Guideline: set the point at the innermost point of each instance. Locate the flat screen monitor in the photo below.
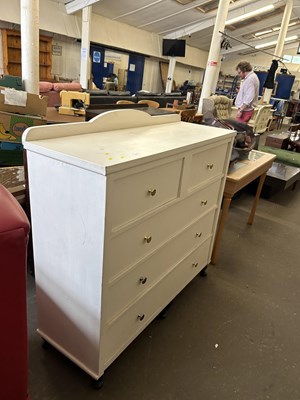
(174, 47)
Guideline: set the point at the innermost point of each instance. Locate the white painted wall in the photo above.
(183, 73)
(68, 64)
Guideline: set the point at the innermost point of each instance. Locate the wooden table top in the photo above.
(245, 171)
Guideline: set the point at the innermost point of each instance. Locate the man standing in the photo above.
(247, 97)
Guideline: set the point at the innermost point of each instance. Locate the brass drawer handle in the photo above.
(141, 317)
(143, 280)
(195, 265)
(198, 234)
(148, 239)
(152, 192)
(210, 166)
(203, 202)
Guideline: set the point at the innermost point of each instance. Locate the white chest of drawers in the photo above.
(124, 211)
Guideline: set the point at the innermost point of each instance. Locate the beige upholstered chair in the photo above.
(260, 118)
(151, 103)
(220, 106)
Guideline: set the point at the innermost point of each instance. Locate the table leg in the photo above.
(255, 202)
(217, 244)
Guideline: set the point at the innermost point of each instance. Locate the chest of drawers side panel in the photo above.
(67, 210)
(227, 151)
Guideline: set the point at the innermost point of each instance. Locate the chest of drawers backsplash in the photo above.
(124, 211)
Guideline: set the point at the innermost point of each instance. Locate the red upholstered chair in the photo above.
(14, 231)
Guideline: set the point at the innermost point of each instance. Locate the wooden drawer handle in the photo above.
(198, 234)
(147, 239)
(203, 202)
(210, 166)
(143, 280)
(152, 192)
(195, 264)
(141, 317)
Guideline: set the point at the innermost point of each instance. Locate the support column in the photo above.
(85, 47)
(213, 63)
(283, 28)
(30, 45)
(280, 43)
(172, 63)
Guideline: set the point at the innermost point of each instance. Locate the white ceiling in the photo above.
(171, 19)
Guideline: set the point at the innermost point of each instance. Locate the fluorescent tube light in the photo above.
(250, 14)
(288, 39)
(277, 28)
(263, 32)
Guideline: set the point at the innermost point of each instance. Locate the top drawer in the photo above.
(207, 164)
(136, 194)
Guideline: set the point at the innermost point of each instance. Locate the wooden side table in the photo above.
(239, 175)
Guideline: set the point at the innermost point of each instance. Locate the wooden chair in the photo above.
(151, 103)
(125, 102)
(188, 115)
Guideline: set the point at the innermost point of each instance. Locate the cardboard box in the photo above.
(17, 101)
(278, 140)
(12, 126)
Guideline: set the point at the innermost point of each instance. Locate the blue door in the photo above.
(98, 71)
(135, 73)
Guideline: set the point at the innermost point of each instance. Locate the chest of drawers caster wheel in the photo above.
(97, 383)
(203, 272)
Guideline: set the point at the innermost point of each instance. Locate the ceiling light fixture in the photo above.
(263, 32)
(288, 39)
(250, 14)
(277, 28)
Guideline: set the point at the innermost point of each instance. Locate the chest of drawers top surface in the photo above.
(118, 139)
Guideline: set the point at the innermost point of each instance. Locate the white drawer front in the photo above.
(206, 165)
(125, 289)
(124, 329)
(127, 248)
(136, 194)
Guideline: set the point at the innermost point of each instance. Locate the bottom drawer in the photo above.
(121, 331)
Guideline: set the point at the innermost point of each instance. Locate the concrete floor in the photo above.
(230, 336)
